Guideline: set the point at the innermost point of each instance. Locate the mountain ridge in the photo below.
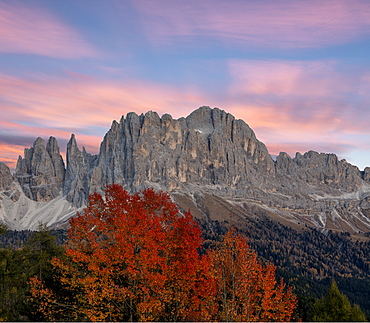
(206, 154)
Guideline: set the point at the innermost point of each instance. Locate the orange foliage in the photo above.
(135, 257)
(44, 298)
(247, 290)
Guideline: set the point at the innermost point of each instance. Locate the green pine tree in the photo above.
(335, 307)
(16, 268)
(3, 228)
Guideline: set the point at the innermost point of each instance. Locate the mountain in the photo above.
(210, 163)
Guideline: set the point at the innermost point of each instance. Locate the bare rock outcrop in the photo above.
(6, 177)
(41, 171)
(76, 182)
(208, 153)
(317, 173)
(207, 148)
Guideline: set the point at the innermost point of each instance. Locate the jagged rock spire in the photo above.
(41, 171)
(6, 177)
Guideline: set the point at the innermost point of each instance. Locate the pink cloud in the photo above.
(9, 154)
(78, 101)
(300, 106)
(303, 114)
(82, 105)
(29, 30)
(284, 24)
(298, 96)
(284, 78)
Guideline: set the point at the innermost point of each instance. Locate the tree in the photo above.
(39, 250)
(3, 228)
(247, 290)
(129, 257)
(335, 307)
(16, 268)
(136, 257)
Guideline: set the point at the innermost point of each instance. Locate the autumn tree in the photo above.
(136, 257)
(247, 290)
(129, 257)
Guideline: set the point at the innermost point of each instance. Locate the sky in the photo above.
(296, 71)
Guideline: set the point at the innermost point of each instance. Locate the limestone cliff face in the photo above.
(324, 173)
(322, 190)
(6, 177)
(41, 172)
(77, 179)
(208, 153)
(209, 148)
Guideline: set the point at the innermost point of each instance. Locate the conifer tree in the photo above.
(16, 268)
(3, 228)
(335, 307)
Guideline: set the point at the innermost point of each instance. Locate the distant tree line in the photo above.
(18, 239)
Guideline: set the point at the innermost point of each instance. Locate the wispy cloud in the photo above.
(33, 30)
(300, 95)
(281, 25)
(299, 106)
(292, 106)
(78, 101)
(78, 104)
(9, 154)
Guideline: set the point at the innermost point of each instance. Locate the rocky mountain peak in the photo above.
(207, 154)
(209, 147)
(6, 177)
(41, 172)
(79, 164)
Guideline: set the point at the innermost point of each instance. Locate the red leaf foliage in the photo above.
(135, 257)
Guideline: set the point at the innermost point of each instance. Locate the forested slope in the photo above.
(308, 258)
